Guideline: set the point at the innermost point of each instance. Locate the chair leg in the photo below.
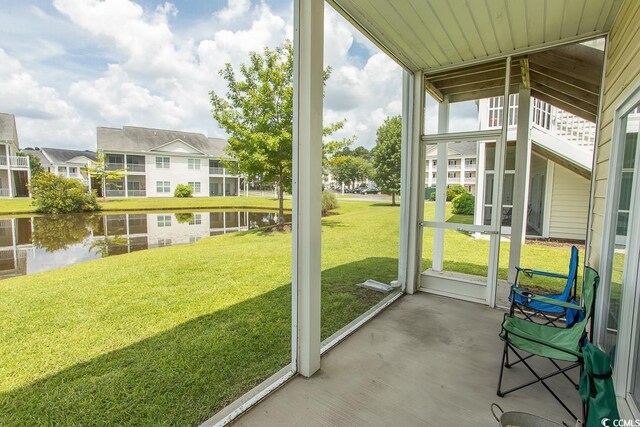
(540, 379)
(502, 366)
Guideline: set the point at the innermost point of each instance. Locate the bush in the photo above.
(455, 190)
(432, 196)
(55, 195)
(463, 204)
(183, 190)
(184, 217)
(329, 202)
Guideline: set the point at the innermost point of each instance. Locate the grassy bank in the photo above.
(168, 336)
(24, 206)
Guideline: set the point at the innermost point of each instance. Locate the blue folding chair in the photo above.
(522, 300)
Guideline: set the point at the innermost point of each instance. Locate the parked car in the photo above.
(370, 190)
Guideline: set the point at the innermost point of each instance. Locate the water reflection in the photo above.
(31, 245)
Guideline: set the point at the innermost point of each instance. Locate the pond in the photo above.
(40, 243)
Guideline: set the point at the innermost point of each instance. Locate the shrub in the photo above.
(454, 191)
(183, 190)
(184, 217)
(55, 195)
(463, 204)
(329, 202)
(432, 196)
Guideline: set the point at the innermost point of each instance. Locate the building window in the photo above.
(163, 162)
(73, 170)
(164, 220)
(452, 175)
(193, 164)
(453, 162)
(434, 162)
(163, 186)
(195, 186)
(112, 158)
(434, 174)
(470, 162)
(164, 242)
(193, 239)
(196, 219)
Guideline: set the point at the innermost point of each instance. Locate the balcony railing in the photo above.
(135, 167)
(115, 193)
(114, 166)
(216, 171)
(4, 192)
(15, 161)
(453, 167)
(137, 193)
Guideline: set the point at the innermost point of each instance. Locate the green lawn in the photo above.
(23, 205)
(169, 336)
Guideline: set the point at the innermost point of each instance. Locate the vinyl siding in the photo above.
(622, 70)
(569, 205)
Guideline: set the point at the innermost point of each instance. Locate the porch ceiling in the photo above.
(437, 34)
(565, 76)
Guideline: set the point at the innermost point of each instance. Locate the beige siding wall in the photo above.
(622, 70)
(569, 205)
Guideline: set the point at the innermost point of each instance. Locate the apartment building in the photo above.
(65, 163)
(155, 161)
(559, 168)
(14, 168)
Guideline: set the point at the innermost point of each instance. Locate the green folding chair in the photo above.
(525, 338)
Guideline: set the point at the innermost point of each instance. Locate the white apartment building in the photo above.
(559, 169)
(65, 163)
(157, 160)
(14, 169)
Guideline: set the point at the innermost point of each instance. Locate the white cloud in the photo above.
(234, 9)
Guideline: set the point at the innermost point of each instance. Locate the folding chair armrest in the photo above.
(530, 272)
(533, 297)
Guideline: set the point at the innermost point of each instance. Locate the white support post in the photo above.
(441, 187)
(28, 176)
(412, 182)
(224, 182)
(9, 172)
(521, 182)
(308, 85)
(238, 187)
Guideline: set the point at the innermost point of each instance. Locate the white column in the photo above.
(308, 85)
(462, 170)
(521, 182)
(224, 182)
(28, 175)
(9, 173)
(441, 187)
(238, 187)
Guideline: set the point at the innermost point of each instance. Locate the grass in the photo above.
(23, 205)
(169, 336)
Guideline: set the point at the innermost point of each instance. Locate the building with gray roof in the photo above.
(155, 161)
(14, 168)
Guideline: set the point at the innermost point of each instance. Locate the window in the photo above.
(163, 186)
(452, 175)
(73, 170)
(113, 158)
(196, 219)
(453, 162)
(164, 220)
(164, 242)
(434, 174)
(470, 162)
(163, 162)
(193, 164)
(195, 186)
(193, 239)
(434, 162)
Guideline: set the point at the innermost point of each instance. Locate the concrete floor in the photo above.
(426, 360)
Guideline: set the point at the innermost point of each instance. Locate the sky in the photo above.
(69, 66)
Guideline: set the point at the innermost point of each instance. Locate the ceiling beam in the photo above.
(561, 86)
(565, 78)
(433, 91)
(586, 71)
(560, 100)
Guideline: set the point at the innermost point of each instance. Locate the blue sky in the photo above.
(72, 65)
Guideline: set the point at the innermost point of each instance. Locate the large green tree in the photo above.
(347, 169)
(257, 114)
(386, 156)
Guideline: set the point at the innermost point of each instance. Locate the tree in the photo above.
(386, 156)
(55, 195)
(35, 166)
(183, 190)
(463, 204)
(347, 169)
(257, 114)
(99, 170)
